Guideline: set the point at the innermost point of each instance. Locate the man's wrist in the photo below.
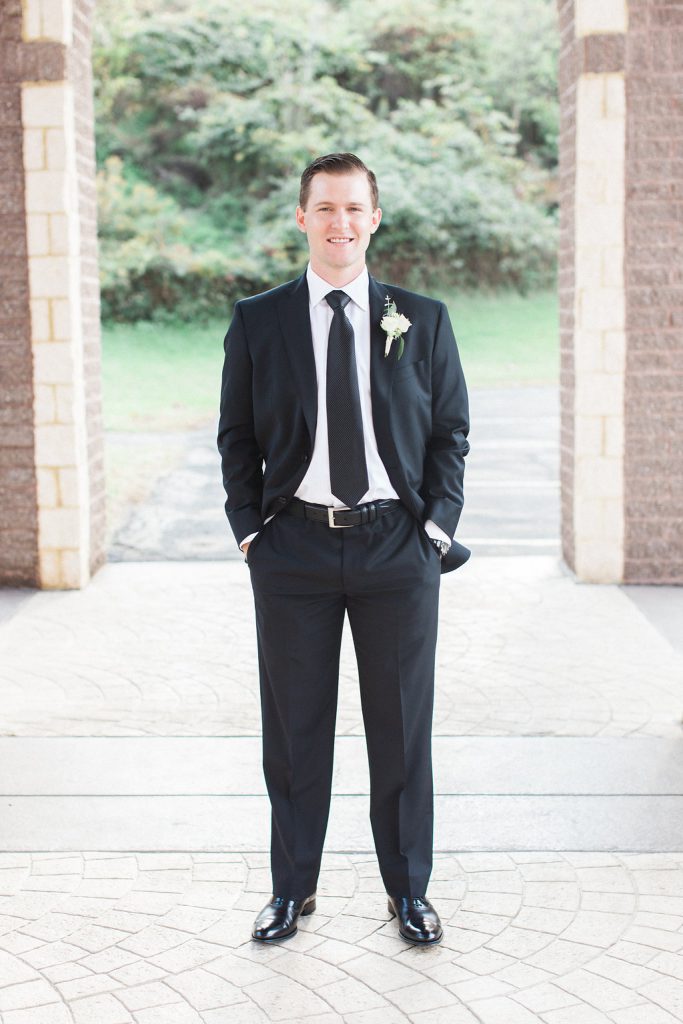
(247, 540)
(435, 532)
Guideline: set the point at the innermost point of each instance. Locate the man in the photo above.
(343, 446)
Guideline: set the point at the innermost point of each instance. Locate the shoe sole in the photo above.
(414, 942)
(308, 909)
(420, 942)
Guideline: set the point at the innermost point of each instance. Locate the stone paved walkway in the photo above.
(168, 649)
(572, 938)
(512, 486)
(160, 939)
(95, 935)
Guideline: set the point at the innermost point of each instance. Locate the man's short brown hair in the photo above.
(336, 163)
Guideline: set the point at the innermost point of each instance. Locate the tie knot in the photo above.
(337, 299)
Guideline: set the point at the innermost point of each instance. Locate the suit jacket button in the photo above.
(304, 458)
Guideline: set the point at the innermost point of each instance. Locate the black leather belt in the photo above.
(341, 516)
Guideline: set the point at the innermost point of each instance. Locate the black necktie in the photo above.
(348, 469)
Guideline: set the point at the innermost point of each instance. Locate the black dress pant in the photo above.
(386, 575)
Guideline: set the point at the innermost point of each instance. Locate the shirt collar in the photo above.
(357, 290)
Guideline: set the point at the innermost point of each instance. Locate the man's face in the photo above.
(338, 221)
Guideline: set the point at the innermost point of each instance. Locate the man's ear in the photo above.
(376, 218)
(300, 216)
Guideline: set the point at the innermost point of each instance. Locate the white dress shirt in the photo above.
(315, 486)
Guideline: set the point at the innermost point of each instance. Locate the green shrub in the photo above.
(207, 114)
(148, 270)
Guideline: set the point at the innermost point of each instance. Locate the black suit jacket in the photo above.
(268, 408)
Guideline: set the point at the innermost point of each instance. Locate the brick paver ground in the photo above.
(163, 938)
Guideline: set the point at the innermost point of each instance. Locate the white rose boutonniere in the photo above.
(395, 325)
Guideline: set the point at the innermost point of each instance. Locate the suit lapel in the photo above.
(295, 324)
(381, 373)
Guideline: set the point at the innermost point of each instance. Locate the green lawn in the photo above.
(506, 339)
(162, 378)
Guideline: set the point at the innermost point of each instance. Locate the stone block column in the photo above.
(592, 288)
(59, 304)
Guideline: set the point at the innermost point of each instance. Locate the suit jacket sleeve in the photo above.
(242, 462)
(444, 466)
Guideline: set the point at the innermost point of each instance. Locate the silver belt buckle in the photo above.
(330, 518)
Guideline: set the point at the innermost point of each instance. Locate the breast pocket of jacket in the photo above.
(406, 371)
(411, 408)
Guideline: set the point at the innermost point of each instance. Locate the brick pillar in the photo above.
(51, 48)
(18, 512)
(653, 434)
(621, 289)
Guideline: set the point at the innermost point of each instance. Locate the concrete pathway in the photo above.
(134, 823)
(512, 487)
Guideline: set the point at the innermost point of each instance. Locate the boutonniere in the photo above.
(395, 324)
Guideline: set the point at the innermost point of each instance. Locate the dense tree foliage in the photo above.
(207, 112)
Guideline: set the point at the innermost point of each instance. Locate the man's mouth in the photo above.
(340, 240)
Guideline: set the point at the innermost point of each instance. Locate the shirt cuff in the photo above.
(436, 532)
(251, 536)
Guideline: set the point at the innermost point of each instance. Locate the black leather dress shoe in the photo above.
(418, 922)
(278, 918)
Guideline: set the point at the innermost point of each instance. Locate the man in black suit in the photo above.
(343, 432)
